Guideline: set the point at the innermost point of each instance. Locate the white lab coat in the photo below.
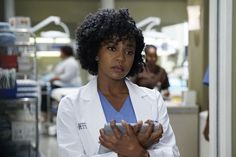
(80, 116)
(68, 72)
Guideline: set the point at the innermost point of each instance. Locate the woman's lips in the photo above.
(118, 69)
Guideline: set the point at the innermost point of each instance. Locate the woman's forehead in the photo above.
(123, 39)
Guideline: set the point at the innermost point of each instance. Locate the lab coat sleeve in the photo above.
(167, 145)
(69, 142)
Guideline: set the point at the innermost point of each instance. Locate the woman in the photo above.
(110, 46)
(66, 73)
(152, 75)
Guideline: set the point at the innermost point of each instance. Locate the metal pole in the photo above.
(9, 9)
(107, 4)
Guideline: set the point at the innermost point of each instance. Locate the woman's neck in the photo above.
(151, 67)
(111, 87)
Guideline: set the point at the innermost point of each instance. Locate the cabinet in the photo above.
(19, 127)
(184, 121)
(19, 94)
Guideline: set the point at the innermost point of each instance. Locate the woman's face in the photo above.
(151, 56)
(62, 55)
(115, 58)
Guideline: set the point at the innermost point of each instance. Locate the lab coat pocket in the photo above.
(86, 138)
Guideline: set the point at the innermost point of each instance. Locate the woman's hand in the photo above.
(149, 136)
(54, 79)
(125, 144)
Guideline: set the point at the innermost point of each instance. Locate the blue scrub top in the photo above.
(126, 113)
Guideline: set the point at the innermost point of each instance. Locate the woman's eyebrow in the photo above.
(130, 45)
(107, 43)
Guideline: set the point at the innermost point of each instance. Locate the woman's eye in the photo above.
(130, 52)
(113, 49)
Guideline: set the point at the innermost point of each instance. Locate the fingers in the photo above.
(157, 135)
(148, 121)
(104, 139)
(160, 129)
(128, 128)
(150, 128)
(158, 132)
(103, 136)
(115, 129)
(137, 127)
(110, 140)
(120, 142)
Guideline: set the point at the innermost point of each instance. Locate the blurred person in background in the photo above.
(66, 73)
(152, 75)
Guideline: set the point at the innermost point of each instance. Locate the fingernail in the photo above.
(140, 121)
(113, 122)
(122, 121)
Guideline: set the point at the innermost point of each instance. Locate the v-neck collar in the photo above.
(103, 97)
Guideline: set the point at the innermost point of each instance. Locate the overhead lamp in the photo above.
(47, 21)
(149, 22)
(43, 40)
(163, 43)
(193, 17)
(48, 53)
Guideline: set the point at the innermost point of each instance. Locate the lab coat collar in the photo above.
(137, 95)
(89, 95)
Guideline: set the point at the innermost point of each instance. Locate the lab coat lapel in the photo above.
(141, 108)
(96, 118)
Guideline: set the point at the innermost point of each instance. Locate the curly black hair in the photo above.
(104, 25)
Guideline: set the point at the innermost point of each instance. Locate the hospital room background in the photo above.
(187, 34)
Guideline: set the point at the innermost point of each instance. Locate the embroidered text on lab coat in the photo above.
(82, 126)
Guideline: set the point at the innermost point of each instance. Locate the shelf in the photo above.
(19, 100)
(24, 45)
(22, 143)
(12, 148)
(21, 30)
(24, 73)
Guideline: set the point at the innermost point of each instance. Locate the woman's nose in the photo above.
(120, 56)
